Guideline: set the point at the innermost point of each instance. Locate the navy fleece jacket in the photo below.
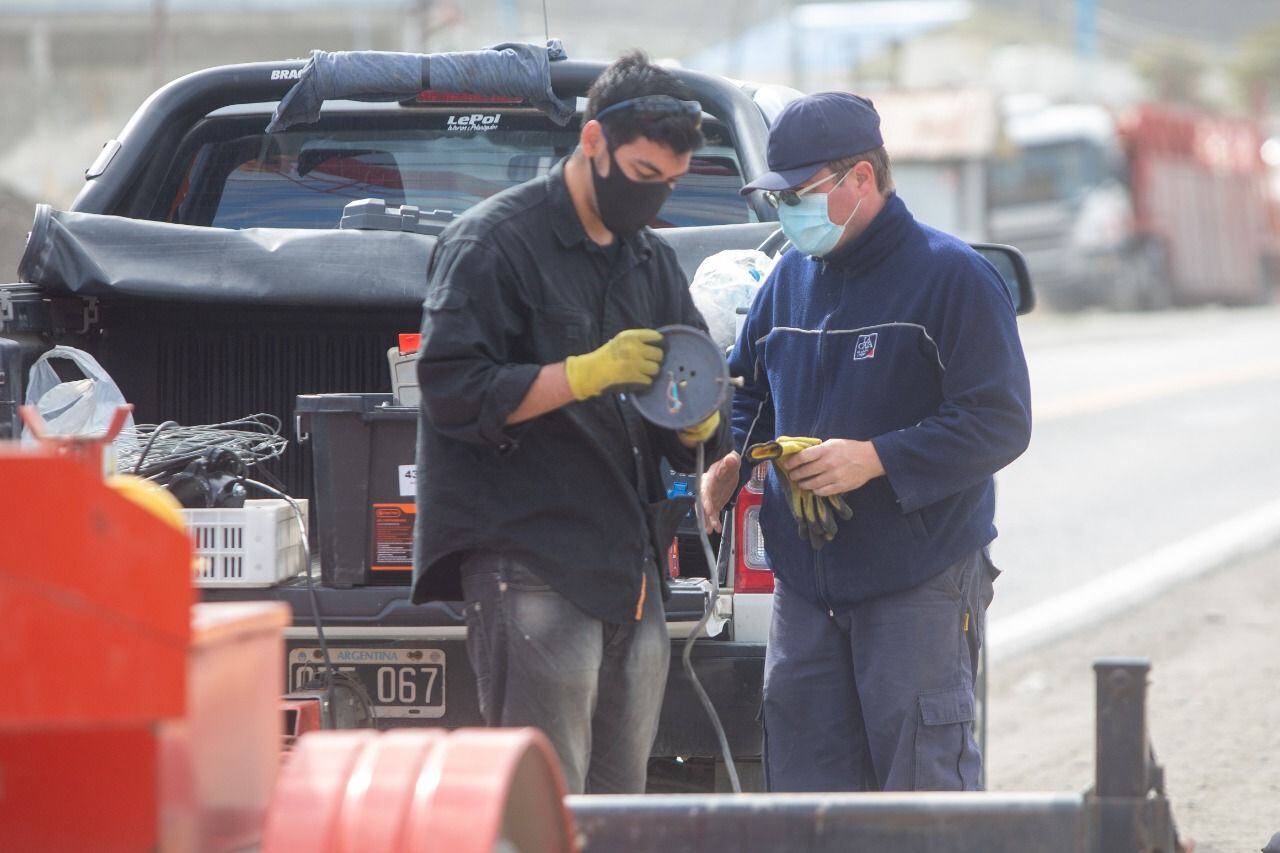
(905, 337)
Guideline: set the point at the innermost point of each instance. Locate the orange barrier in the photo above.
(133, 719)
(411, 791)
(96, 594)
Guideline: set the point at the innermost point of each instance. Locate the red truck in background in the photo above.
(1200, 193)
(1135, 209)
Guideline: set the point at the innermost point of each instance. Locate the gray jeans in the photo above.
(880, 697)
(593, 687)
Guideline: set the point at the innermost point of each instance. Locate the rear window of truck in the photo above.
(302, 178)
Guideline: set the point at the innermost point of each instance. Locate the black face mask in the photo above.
(625, 205)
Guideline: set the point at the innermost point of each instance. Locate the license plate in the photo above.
(403, 683)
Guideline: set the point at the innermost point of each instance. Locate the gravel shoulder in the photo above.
(1213, 704)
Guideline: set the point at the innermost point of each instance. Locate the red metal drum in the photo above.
(380, 792)
(491, 789)
(306, 806)
(420, 790)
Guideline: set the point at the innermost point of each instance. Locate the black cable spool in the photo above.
(692, 383)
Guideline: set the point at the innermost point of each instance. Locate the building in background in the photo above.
(75, 70)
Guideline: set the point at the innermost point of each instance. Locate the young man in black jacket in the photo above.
(540, 494)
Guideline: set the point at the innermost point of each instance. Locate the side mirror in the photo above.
(1012, 267)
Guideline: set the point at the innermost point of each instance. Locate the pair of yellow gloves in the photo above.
(815, 515)
(628, 362)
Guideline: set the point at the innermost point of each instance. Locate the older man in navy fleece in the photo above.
(886, 381)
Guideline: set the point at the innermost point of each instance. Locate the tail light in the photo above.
(751, 569)
(430, 97)
(673, 559)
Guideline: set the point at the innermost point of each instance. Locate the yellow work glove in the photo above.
(814, 515)
(627, 362)
(695, 435)
(817, 516)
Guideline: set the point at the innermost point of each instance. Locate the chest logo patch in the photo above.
(865, 347)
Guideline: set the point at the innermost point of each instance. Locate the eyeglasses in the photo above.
(652, 107)
(792, 197)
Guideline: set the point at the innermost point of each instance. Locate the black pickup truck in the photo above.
(196, 155)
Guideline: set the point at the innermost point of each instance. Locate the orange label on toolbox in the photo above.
(392, 537)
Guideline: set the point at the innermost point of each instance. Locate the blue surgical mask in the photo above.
(809, 227)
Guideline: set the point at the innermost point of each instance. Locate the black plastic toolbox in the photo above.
(11, 385)
(362, 450)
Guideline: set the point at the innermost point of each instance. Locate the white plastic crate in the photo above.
(255, 546)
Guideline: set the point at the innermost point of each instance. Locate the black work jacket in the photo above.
(514, 284)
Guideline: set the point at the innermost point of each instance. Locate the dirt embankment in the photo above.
(1213, 704)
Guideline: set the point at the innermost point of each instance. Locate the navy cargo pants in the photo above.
(878, 697)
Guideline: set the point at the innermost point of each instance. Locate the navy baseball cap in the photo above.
(811, 132)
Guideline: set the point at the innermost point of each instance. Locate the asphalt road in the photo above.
(1150, 431)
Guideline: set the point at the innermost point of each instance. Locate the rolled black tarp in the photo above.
(507, 70)
(89, 254)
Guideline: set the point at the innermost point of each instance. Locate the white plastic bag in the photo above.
(725, 282)
(79, 406)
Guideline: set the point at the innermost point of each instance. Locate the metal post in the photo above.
(734, 35)
(40, 54)
(1086, 29)
(794, 59)
(509, 18)
(984, 713)
(361, 28)
(1121, 769)
(424, 18)
(159, 43)
(1128, 795)
(1087, 42)
(416, 35)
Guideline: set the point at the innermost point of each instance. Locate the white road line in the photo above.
(1114, 398)
(1129, 585)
